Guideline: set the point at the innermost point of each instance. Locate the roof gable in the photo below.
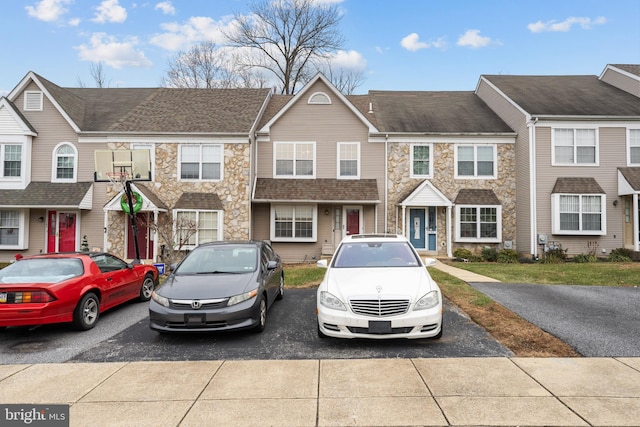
(426, 194)
(12, 121)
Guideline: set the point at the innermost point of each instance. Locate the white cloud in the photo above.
(110, 11)
(74, 22)
(412, 42)
(472, 38)
(348, 60)
(196, 29)
(48, 10)
(117, 54)
(564, 26)
(166, 7)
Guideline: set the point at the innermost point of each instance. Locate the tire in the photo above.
(263, 316)
(320, 333)
(281, 290)
(87, 312)
(146, 288)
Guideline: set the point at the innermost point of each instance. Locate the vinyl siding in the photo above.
(621, 81)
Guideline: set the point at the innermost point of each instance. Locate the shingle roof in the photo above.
(470, 196)
(205, 201)
(153, 198)
(159, 110)
(576, 185)
(632, 175)
(41, 194)
(318, 190)
(567, 96)
(434, 112)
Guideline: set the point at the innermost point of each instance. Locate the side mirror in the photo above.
(272, 265)
(322, 263)
(173, 266)
(429, 262)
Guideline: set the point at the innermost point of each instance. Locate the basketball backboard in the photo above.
(122, 165)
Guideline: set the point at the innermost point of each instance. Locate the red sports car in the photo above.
(73, 287)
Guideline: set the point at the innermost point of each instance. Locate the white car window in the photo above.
(375, 254)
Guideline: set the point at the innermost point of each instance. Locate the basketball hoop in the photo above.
(118, 177)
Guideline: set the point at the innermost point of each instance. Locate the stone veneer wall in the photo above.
(233, 191)
(401, 185)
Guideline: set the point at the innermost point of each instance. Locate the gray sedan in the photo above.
(217, 287)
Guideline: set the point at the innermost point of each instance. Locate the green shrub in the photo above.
(463, 253)
(508, 256)
(555, 256)
(620, 255)
(583, 258)
(489, 254)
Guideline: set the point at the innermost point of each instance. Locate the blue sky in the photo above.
(398, 45)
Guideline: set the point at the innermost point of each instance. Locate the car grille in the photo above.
(186, 304)
(379, 308)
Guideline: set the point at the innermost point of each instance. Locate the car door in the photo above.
(120, 281)
(271, 277)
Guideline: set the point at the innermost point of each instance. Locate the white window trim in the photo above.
(555, 222)
(23, 231)
(357, 175)
(411, 173)
(23, 160)
(574, 128)
(294, 176)
(496, 239)
(272, 224)
(629, 146)
(321, 98)
(197, 211)
(152, 156)
(54, 164)
(200, 145)
(28, 94)
(475, 162)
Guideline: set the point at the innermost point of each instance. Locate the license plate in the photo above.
(379, 327)
(195, 319)
(3, 297)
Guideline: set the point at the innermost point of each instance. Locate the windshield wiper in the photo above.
(217, 272)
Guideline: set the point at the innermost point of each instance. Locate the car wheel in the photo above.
(320, 333)
(263, 315)
(439, 335)
(146, 289)
(87, 312)
(281, 290)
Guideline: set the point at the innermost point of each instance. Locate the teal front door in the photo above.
(417, 228)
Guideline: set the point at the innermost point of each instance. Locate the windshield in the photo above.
(375, 254)
(41, 270)
(219, 259)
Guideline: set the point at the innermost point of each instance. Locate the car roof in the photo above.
(233, 243)
(376, 237)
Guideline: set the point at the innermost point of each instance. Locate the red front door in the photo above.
(353, 220)
(145, 244)
(61, 231)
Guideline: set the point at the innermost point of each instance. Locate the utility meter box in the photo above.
(542, 239)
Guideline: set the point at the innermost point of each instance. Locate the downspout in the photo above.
(533, 189)
(386, 181)
(105, 225)
(636, 224)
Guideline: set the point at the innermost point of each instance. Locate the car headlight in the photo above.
(330, 301)
(237, 299)
(160, 299)
(430, 300)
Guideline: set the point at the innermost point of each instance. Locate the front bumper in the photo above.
(412, 325)
(245, 315)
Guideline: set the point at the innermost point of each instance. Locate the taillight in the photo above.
(29, 297)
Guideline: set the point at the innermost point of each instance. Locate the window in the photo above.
(32, 101)
(293, 223)
(475, 161)
(201, 162)
(196, 227)
(348, 160)
(64, 158)
(294, 159)
(634, 147)
(579, 214)
(478, 223)
(575, 147)
(319, 98)
(10, 228)
(421, 160)
(11, 160)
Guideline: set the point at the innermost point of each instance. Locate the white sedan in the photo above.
(378, 287)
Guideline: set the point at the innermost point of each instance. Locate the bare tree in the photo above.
(98, 75)
(345, 80)
(174, 235)
(284, 37)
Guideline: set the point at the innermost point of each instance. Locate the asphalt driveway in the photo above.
(597, 321)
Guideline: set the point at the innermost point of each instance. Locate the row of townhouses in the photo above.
(522, 162)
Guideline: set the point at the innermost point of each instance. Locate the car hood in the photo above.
(202, 286)
(407, 282)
